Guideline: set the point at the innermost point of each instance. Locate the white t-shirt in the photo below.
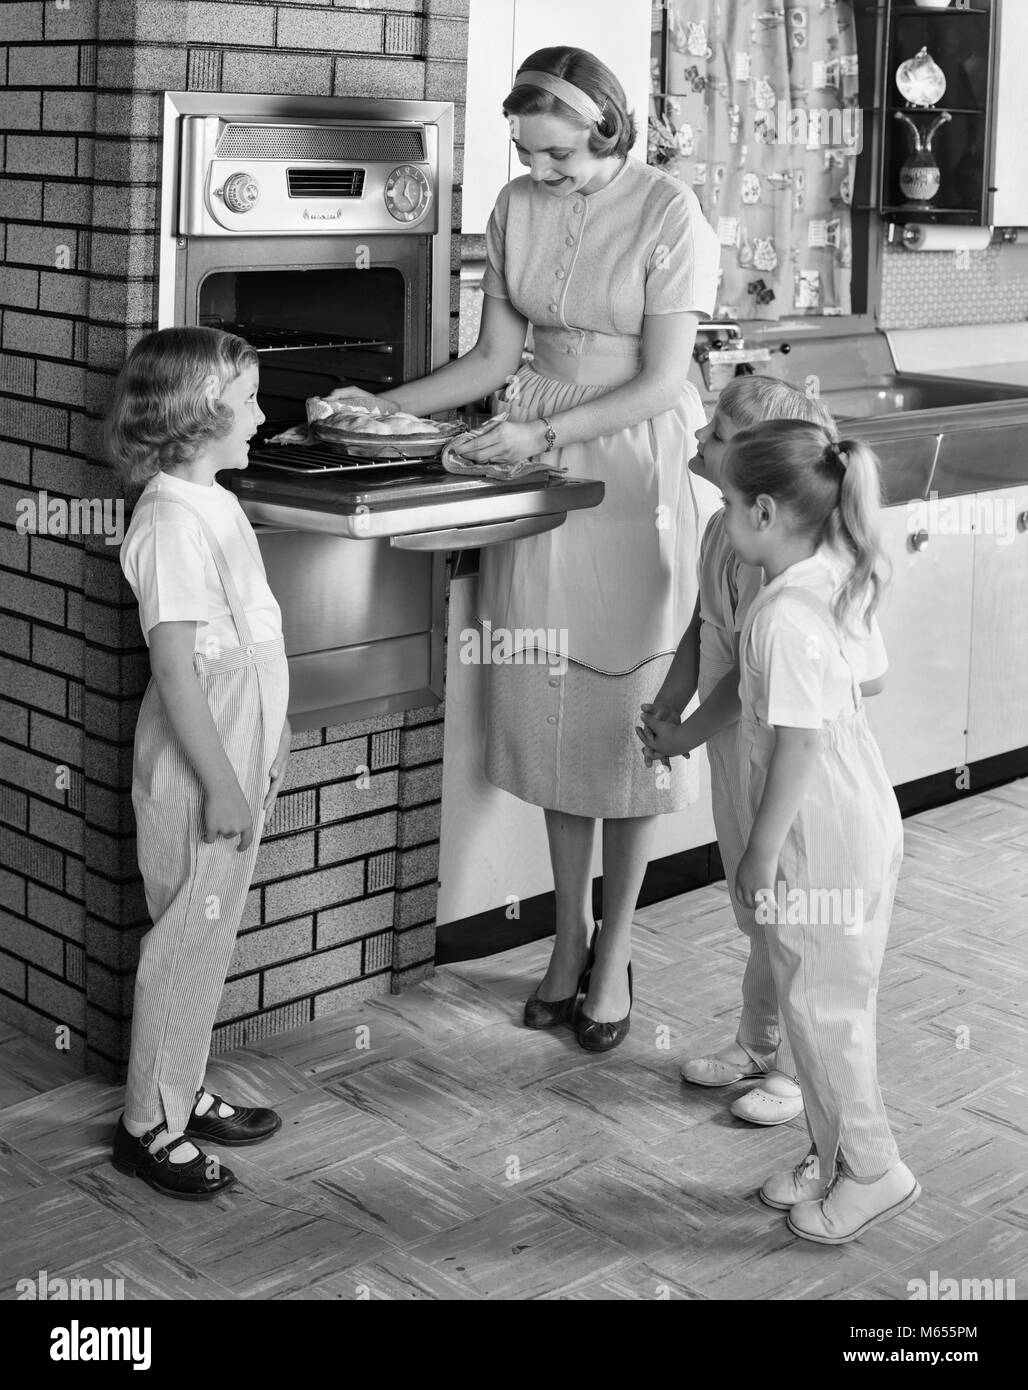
(797, 666)
(168, 562)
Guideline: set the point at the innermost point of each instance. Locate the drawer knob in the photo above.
(919, 540)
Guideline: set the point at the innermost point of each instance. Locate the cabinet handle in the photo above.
(1022, 522)
(918, 541)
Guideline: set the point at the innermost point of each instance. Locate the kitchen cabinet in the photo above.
(501, 35)
(920, 718)
(998, 706)
(949, 180)
(1009, 175)
(492, 847)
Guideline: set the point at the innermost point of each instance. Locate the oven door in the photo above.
(321, 311)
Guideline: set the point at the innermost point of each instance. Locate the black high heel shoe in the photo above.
(550, 1013)
(603, 1037)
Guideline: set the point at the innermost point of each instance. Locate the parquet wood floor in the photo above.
(433, 1148)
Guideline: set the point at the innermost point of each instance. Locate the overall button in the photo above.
(576, 207)
(551, 719)
(553, 308)
(569, 241)
(555, 680)
(560, 275)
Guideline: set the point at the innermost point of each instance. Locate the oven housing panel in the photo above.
(363, 620)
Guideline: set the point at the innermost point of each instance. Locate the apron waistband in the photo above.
(585, 358)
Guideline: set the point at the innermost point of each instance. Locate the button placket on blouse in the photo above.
(563, 272)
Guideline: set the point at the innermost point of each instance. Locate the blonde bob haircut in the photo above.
(161, 417)
(614, 135)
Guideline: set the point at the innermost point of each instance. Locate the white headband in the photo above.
(569, 94)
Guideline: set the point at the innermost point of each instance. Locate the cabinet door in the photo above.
(920, 718)
(998, 714)
(1010, 203)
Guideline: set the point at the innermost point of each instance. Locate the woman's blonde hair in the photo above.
(160, 416)
(750, 400)
(615, 134)
(832, 489)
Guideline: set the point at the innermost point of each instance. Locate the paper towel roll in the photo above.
(926, 236)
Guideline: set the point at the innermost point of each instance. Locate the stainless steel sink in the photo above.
(907, 393)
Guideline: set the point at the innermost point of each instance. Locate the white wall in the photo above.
(501, 36)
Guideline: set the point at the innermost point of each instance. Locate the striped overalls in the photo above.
(844, 847)
(195, 892)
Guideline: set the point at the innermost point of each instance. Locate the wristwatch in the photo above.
(551, 435)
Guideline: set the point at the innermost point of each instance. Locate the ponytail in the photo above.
(833, 492)
(856, 526)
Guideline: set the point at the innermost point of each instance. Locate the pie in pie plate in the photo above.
(369, 434)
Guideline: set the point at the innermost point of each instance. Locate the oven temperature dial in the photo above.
(241, 192)
(407, 193)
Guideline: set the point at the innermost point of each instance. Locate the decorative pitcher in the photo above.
(920, 178)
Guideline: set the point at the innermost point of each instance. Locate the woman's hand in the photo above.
(278, 769)
(507, 443)
(355, 396)
(661, 734)
(226, 815)
(755, 877)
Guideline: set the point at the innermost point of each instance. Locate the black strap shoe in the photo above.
(198, 1180)
(603, 1037)
(246, 1126)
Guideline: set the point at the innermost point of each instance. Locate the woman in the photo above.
(610, 262)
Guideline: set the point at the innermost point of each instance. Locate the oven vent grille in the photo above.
(370, 145)
(325, 183)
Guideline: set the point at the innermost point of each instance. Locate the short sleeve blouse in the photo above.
(600, 262)
(798, 666)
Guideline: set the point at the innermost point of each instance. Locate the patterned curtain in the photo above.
(757, 111)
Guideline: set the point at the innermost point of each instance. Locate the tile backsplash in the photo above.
(937, 289)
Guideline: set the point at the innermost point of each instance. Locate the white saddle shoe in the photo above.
(776, 1101)
(850, 1208)
(719, 1070)
(803, 1183)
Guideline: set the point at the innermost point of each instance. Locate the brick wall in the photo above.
(344, 896)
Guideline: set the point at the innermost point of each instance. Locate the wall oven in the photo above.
(319, 230)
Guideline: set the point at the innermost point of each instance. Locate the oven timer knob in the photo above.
(407, 193)
(241, 192)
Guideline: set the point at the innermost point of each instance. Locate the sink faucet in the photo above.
(725, 355)
(721, 329)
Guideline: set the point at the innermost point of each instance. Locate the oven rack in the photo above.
(325, 458)
(272, 338)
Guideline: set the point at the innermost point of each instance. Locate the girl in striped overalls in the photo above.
(212, 741)
(707, 663)
(823, 830)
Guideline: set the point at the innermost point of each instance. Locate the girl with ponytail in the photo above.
(823, 830)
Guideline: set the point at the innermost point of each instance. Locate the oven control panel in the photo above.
(347, 177)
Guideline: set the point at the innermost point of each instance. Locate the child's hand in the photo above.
(755, 876)
(660, 734)
(278, 770)
(227, 815)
